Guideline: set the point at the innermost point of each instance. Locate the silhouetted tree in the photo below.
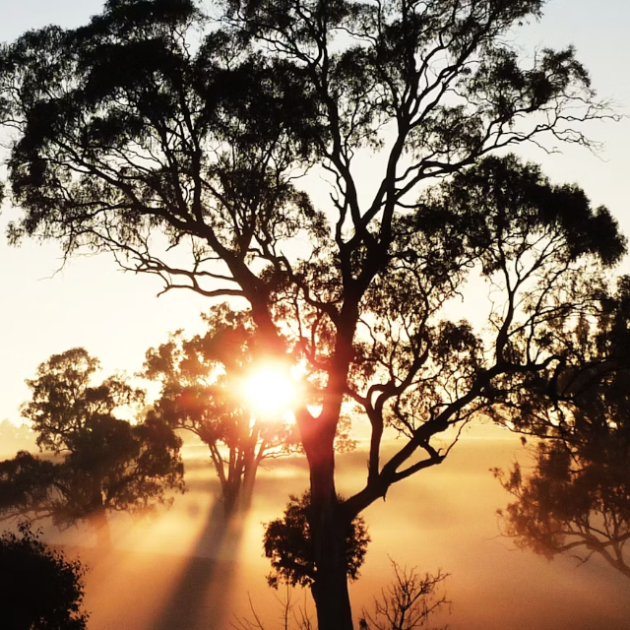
(410, 602)
(571, 503)
(577, 497)
(39, 588)
(105, 463)
(203, 391)
(155, 135)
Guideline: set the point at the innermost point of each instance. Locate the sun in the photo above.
(270, 391)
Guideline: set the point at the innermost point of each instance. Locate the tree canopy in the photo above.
(179, 141)
(107, 464)
(571, 503)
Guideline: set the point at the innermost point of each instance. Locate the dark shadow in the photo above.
(39, 587)
(199, 599)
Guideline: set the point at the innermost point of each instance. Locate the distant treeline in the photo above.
(15, 438)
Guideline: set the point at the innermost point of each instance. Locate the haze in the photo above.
(181, 572)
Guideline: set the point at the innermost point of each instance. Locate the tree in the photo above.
(577, 496)
(107, 463)
(571, 504)
(203, 391)
(410, 602)
(155, 134)
(39, 588)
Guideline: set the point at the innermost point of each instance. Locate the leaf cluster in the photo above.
(289, 546)
(203, 382)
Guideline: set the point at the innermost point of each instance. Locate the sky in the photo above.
(117, 316)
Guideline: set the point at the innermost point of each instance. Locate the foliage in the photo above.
(203, 381)
(289, 546)
(577, 496)
(106, 464)
(581, 391)
(63, 401)
(203, 390)
(25, 483)
(39, 588)
(572, 504)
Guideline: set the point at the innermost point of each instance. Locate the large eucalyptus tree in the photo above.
(176, 136)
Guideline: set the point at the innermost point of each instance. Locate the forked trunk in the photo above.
(330, 589)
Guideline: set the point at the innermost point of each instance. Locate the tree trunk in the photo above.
(231, 495)
(249, 479)
(330, 589)
(250, 471)
(99, 523)
(325, 518)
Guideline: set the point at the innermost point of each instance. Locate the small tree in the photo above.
(410, 602)
(203, 391)
(179, 145)
(107, 463)
(571, 503)
(39, 588)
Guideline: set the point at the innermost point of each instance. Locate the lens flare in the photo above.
(270, 391)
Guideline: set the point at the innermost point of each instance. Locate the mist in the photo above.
(187, 570)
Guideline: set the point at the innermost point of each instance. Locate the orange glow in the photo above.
(270, 391)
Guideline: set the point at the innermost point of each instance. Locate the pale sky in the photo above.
(116, 316)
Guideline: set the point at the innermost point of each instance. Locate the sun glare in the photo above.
(270, 391)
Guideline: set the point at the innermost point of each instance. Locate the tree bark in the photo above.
(330, 589)
(231, 495)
